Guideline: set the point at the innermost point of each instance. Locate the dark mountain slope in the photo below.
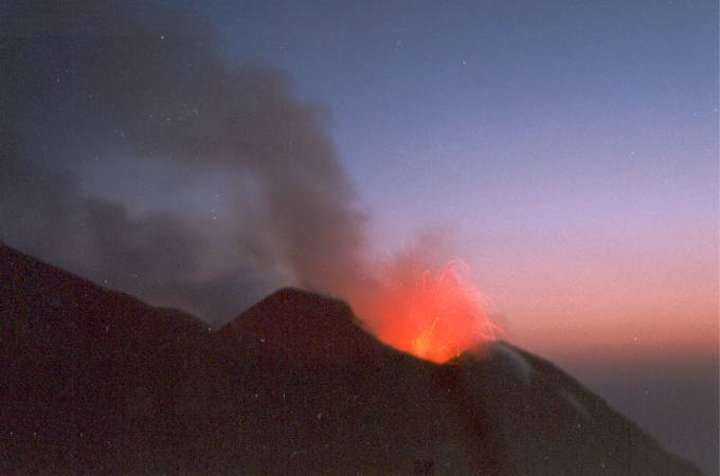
(96, 381)
(87, 373)
(100, 382)
(321, 331)
(326, 397)
(551, 424)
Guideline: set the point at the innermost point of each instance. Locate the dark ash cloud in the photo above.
(89, 81)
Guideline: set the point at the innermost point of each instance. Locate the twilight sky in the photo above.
(569, 149)
(566, 151)
(201, 154)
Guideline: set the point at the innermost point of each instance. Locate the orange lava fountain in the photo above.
(433, 316)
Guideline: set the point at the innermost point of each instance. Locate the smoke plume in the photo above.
(88, 86)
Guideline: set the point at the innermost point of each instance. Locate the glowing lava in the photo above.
(435, 316)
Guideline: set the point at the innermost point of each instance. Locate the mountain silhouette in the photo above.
(95, 381)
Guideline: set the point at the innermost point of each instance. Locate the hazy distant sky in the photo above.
(570, 149)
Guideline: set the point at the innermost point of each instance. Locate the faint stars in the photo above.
(702, 114)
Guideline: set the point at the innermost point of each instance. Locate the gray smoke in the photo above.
(86, 84)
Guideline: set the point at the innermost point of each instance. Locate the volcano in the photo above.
(95, 381)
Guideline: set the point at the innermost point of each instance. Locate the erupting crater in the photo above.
(433, 315)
